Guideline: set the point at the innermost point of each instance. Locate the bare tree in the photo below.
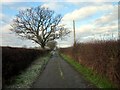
(52, 44)
(38, 24)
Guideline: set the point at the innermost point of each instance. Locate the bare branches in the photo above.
(38, 24)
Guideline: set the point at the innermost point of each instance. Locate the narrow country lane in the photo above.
(59, 74)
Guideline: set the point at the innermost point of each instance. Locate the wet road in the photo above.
(59, 74)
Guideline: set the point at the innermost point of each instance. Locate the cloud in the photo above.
(16, 6)
(89, 29)
(94, 32)
(85, 12)
(107, 28)
(1, 15)
(56, 6)
(6, 28)
(108, 18)
(59, 0)
(91, 0)
(9, 38)
(105, 23)
(4, 1)
(63, 43)
(9, 0)
(22, 8)
(87, 32)
(85, 28)
(1, 19)
(5, 19)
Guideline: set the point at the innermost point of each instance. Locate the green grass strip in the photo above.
(97, 80)
(28, 76)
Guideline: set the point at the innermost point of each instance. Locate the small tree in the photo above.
(52, 44)
(38, 24)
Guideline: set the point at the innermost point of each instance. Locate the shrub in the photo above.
(101, 56)
(15, 60)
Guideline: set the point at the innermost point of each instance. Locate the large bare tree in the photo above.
(39, 24)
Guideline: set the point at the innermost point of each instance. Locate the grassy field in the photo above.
(100, 56)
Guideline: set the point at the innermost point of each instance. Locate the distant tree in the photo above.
(24, 46)
(52, 44)
(39, 24)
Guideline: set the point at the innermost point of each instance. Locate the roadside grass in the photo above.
(97, 80)
(27, 77)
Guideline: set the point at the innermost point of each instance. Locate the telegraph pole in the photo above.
(74, 32)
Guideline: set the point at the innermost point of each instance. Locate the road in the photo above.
(59, 74)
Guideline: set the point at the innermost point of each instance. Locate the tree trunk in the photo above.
(43, 46)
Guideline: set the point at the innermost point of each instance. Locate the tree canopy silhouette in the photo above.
(39, 24)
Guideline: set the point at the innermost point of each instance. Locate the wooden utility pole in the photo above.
(74, 32)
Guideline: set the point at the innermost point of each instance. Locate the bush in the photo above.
(101, 56)
(15, 60)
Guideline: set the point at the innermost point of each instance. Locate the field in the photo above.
(15, 60)
(100, 56)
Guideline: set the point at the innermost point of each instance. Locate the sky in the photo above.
(93, 20)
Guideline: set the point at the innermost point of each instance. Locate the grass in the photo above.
(97, 80)
(13, 64)
(102, 56)
(27, 77)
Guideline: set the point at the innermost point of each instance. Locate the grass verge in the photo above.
(97, 80)
(27, 77)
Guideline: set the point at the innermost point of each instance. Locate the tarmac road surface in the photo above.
(59, 74)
